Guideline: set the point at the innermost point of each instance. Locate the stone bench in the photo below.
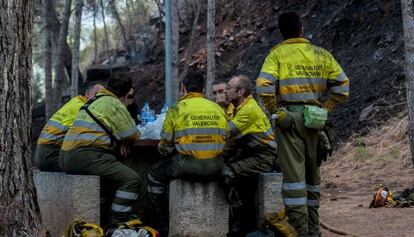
(200, 209)
(269, 194)
(63, 197)
(197, 209)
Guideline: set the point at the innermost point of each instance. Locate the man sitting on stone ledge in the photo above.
(98, 138)
(193, 137)
(251, 150)
(51, 137)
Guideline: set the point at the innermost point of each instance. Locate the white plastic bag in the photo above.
(152, 130)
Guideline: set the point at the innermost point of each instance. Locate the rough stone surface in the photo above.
(269, 194)
(197, 209)
(63, 198)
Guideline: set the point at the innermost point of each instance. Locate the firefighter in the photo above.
(192, 138)
(293, 78)
(251, 150)
(99, 138)
(51, 137)
(218, 91)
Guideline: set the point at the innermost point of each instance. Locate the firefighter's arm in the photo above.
(166, 145)
(338, 85)
(125, 129)
(267, 81)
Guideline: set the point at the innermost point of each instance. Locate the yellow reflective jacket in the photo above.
(112, 113)
(55, 129)
(298, 72)
(251, 125)
(195, 126)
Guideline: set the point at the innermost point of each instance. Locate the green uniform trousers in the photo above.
(240, 189)
(178, 166)
(121, 179)
(47, 158)
(301, 176)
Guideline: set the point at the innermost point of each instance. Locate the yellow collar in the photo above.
(106, 92)
(82, 98)
(292, 41)
(245, 101)
(191, 95)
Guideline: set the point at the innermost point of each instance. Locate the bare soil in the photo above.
(352, 175)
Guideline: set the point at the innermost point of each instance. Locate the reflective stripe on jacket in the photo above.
(195, 126)
(251, 125)
(298, 72)
(55, 129)
(112, 113)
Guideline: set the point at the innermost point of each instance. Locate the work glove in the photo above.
(324, 148)
(282, 118)
(228, 175)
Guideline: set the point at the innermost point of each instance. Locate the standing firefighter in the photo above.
(99, 137)
(300, 73)
(51, 137)
(193, 137)
(251, 150)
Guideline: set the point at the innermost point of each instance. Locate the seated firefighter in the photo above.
(250, 151)
(99, 138)
(51, 137)
(219, 95)
(193, 137)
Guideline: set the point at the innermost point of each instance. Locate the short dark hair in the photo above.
(89, 85)
(120, 84)
(245, 83)
(219, 81)
(193, 81)
(290, 25)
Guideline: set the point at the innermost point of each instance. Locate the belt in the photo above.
(295, 108)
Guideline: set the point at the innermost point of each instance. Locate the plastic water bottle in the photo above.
(145, 114)
(164, 109)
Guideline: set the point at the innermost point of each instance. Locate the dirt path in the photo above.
(350, 213)
(351, 176)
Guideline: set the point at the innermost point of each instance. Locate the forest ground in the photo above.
(351, 176)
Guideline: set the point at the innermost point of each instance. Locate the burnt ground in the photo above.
(365, 37)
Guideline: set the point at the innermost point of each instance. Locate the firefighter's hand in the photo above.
(125, 150)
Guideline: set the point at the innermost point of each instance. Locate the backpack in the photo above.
(382, 197)
(132, 228)
(80, 228)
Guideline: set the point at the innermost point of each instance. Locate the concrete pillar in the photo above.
(62, 198)
(197, 209)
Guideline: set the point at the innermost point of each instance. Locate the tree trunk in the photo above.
(76, 45)
(121, 27)
(189, 50)
(108, 54)
(175, 35)
(19, 211)
(47, 55)
(61, 82)
(95, 37)
(211, 61)
(408, 22)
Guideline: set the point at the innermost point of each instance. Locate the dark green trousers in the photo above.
(240, 192)
(301, 176)
(118, 177)
(47, 158)
(178, 166)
